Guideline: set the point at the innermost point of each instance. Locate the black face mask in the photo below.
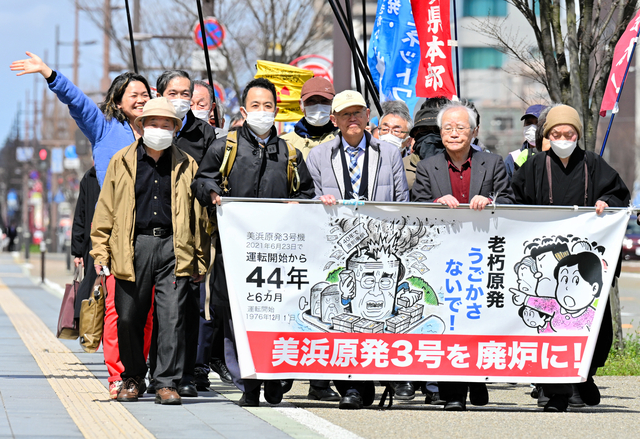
(428, 145)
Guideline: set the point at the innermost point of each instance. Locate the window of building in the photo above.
(484, 8)
(481, 58)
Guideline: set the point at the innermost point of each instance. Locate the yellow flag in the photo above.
(288, 81)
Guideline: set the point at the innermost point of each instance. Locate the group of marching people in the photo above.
(160, 172)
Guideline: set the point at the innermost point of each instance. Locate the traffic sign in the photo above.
(320, 65)
(214, 31)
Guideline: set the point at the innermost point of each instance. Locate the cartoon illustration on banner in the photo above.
(559, 283)
(380, 283)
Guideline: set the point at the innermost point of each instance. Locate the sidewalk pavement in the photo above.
(42, 398)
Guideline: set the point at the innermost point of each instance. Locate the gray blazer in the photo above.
(488, 175)
(387, 180)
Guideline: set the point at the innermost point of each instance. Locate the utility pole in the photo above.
(26, 232)
(341, 57)
(136, 29)
(76, 45)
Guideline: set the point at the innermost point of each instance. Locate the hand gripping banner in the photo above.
(408, 291)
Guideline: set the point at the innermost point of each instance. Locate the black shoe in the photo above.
(351, 401)
(478, 394)
(404, 391)
(535, 391)
(574, 400)
(589, 392)
(433, 398)
(188, 389)
(273, 391)
(201, 379)
(557, 403)
(217, 365)
(455, 406)
(286, 385)
(322, 394)
(250, 399)
(542, 399)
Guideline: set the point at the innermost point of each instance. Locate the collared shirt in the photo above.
(460, 178)
(153, 190)
(262, 142)
(361, 147)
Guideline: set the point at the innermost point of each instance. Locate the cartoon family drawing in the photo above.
(558, 285)
(378, 285)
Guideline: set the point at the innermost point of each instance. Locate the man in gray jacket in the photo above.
(354, 165)
(357, 166)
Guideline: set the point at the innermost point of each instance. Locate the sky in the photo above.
(31, 25)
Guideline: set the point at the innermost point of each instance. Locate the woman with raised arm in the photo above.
(108, 126)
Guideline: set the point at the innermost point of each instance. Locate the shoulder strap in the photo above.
(548, 166)
(293, 178)
(230, 150)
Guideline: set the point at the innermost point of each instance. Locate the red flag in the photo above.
(621, 59)
(435, 74)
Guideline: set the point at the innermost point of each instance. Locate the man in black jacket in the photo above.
(258, 171)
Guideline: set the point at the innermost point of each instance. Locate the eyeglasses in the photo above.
(346, 116)
(449, 130)
(396, 131)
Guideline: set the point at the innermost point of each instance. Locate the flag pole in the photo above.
(205, 47)
(364, 41)
(615, 107)
(354, 55)
(455, 30)
(133, 46)
(368, 80)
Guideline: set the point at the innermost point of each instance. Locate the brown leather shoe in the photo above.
(168, 395)
(129, 391)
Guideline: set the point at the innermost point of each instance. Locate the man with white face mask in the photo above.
(146, 195)
(395, 125)
(567, 175)
(259, 170)
(530, 121)
(195, 135)
(315, 127)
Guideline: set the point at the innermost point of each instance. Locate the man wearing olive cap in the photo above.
(577, 178)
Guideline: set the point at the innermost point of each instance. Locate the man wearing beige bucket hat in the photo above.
(149, 231)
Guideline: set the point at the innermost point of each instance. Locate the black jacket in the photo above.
(195, 137)
(85, 207)
(256, 173)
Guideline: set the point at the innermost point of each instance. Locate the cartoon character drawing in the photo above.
(578, 283)
(546, 258)
(378, 284)
(528, 275)
(535, 319)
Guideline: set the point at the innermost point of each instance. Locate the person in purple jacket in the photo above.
(108, 126)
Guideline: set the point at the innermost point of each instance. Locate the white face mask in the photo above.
(530, 134)
(317, 115)
(202, 114)
(260, 122)
(181, 106)
(394, 140)
(563, 148)
(157, 138)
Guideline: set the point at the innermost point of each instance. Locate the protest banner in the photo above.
(394, 52)
(435, 76)
(288, 81)
(408, 291)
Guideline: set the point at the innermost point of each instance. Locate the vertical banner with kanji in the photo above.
(405, 292)
(621, 59)
(394, 52)
(435, 76)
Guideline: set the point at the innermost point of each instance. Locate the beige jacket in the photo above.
(306, 144)
(113, 228)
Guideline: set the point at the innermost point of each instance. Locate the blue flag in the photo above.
(394, 52)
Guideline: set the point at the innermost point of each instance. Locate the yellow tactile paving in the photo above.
(81, 393)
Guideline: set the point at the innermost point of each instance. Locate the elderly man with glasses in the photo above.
(461, 175)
